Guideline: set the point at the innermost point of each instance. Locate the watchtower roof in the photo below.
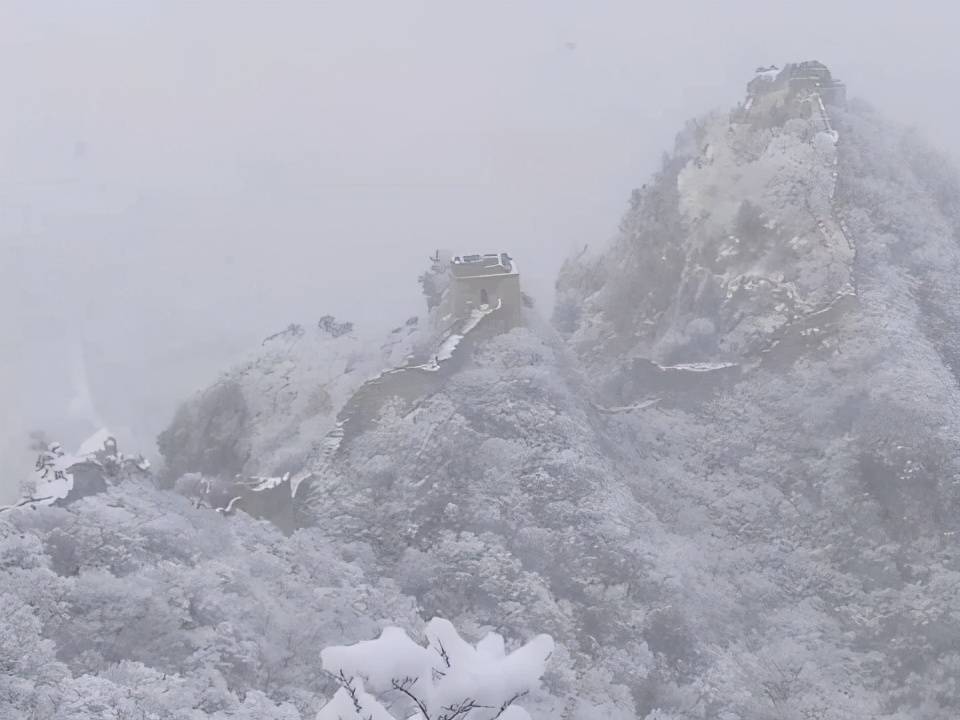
(482, 264)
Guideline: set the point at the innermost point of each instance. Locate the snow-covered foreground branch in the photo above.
(448, 679)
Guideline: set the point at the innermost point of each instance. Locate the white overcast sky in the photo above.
(179, 179)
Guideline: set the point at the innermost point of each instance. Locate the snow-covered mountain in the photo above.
(794, 266)
(723, 479)
(738, 237)
(754, 378)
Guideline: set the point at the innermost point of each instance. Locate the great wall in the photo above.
(480, 297)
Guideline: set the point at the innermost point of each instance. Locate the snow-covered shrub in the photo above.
(329, 324)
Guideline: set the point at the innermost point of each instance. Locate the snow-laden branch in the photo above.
(449, 679)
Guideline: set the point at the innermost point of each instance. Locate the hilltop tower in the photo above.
(814, 76)
(799, 79)
(466, 286)
(483, 281)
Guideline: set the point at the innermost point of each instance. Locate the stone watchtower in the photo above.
(488, 283)
(814, 76)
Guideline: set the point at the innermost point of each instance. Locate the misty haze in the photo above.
(479, 361)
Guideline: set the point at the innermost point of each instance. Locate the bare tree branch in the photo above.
(465, 706)
(351, 691)
(443, 653)
(508, 703)
(403, 686)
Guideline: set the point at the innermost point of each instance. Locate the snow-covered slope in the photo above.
(271, 412)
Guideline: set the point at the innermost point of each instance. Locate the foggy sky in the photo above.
(180, 179)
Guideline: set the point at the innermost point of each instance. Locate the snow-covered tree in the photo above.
(448, 679)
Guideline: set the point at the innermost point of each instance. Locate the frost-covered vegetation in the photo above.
(724, 481)
(136, 603)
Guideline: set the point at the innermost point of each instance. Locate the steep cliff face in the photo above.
(735, 239)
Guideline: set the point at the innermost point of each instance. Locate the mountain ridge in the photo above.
(723, 477)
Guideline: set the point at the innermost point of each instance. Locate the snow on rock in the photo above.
(619, 409)
(447, 672)
(698, 367)
(445, 351)
(259, 483)
(296, 480)
(449, 345)
(54, 480)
